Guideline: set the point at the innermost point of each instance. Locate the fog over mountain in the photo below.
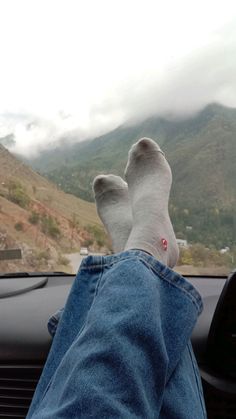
(84, 74)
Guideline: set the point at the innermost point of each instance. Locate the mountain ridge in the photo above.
(201, 151)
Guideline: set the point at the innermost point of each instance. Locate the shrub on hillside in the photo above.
(98, 233)
(49, 226)
(87, 243)
(43, 255)
(62, 260)
(34, 218)
(199, 255)
(17, 194)
(19, 226)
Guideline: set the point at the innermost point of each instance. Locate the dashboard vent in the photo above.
(18, 383)
(17, 386)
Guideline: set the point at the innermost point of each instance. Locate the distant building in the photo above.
(182, 243)
(189, 228)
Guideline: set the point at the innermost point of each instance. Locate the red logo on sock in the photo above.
(164, 244)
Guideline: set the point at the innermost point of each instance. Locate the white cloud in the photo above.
(86, 66)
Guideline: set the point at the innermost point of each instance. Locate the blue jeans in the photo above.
(122, 346)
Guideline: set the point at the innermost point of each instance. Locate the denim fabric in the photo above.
(53, 322)
(122, 347)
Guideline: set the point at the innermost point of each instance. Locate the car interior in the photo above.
(28, 300)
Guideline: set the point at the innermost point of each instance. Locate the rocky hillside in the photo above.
(40, 219)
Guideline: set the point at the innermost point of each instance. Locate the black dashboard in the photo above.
(27, 301)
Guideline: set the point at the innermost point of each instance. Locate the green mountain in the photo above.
(201, 151)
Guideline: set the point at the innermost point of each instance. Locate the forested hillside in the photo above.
(202, 154)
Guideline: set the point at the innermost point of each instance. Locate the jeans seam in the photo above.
(106, 265)
(98, 281)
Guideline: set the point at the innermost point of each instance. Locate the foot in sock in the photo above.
(113, 207)
(149, 179)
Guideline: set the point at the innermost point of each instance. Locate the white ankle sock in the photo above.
(113, 207)
(149, 178)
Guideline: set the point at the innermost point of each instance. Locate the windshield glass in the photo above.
(80, 83)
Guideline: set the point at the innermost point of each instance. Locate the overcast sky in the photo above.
(88, 66)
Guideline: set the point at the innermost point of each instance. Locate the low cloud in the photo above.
(205, 76)
(178, 90)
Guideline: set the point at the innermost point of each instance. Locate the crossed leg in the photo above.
(122, 345)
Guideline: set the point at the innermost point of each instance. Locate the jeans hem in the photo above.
(163, 272)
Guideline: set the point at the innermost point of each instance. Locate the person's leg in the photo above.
(143, 350)
(183, 396)
(115, 207)
(132, 339)
(68, 322)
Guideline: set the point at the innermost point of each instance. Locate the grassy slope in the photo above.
(46, 200)
(41, 189)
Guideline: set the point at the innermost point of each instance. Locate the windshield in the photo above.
(80, 83)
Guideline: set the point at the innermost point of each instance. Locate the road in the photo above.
(76, 259)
